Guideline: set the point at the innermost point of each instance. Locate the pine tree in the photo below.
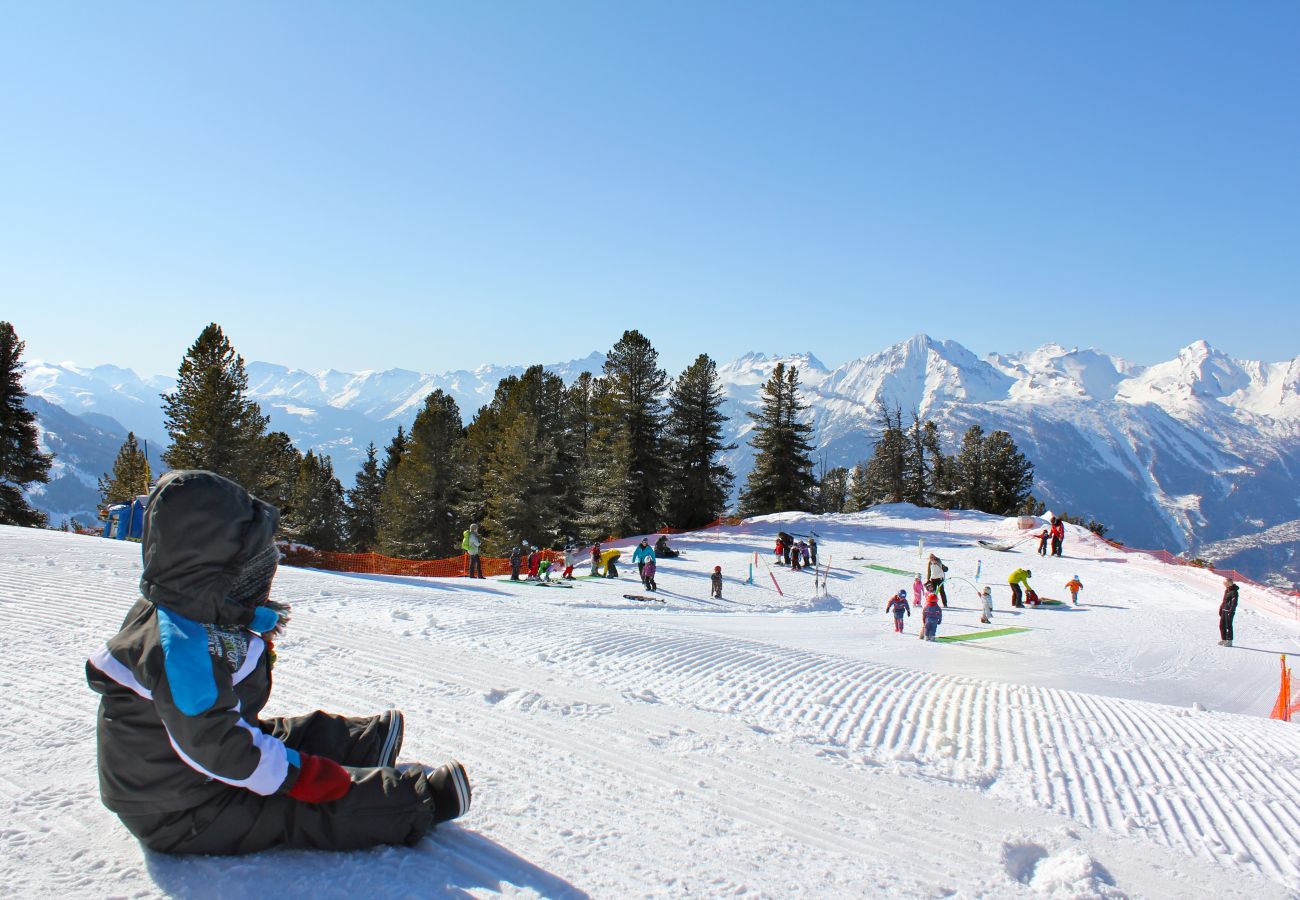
(211, 422)
(833, 490)
(130, 476)
(859, 490)
(606, 471)
(277, 474)
(696, 483)
(782, 478)
(636, 387)
(886, 471)
(971, 482)
(418, 517)
(22, 464)
(361, 513)
(1008, 474)
(394, 454)
(316, 517)
(943, 479)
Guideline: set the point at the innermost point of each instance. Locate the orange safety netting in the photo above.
(377, 564)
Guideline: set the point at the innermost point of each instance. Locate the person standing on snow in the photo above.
(1016, 579)
(931, 616)
(648, 573)
(918, 592)
(471, 545)
(595, 559)
(640, 555)
(516, 560)
(1043, 537)
(1058, 536)
(986, 605)
(1074, 585)
(805, 554)
(1227, 610)
(812, 549)
(934, 576)
(898, 606)
(715, 583)
(186, 760)
(570, 560)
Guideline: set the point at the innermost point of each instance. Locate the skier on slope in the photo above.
(898, 606)
(185, 759)
(1227, 611)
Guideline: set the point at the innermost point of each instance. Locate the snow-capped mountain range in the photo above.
(1179, 455)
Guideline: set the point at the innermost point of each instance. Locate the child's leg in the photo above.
(348, 740)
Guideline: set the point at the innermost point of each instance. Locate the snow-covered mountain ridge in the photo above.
(1197, 449)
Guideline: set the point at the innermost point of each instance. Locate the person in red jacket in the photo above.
(1058, 536)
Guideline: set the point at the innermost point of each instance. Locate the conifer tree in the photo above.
(886, 471)
(130, 476)
(859, 492)
(606, 485)
(833, 490)
(972, 490)
(361, 513)
(316, 512)
(22, 464)
(394, 454)
(418, 517)
(1008, 474)
(212, 424)
(782, 478)
(944, 491)
(696, 483)
(278, 472)
(636, 387)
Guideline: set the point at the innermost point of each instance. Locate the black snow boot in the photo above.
(449, 786)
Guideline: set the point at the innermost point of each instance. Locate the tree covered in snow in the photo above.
(130, 476)
(361, 505)
(782, 476)
(696, 482)
(419, 519)
(209, 418)
(22, 464)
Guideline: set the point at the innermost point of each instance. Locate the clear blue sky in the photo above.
(442, 185)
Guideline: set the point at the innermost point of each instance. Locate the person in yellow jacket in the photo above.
(1017, 579)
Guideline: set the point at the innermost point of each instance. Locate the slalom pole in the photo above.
(979, 565)
(750, 580)
(773, 577)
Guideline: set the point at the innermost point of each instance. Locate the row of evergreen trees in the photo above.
(621, 452)
(988, 472)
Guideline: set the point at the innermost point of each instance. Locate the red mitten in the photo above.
(320, 780)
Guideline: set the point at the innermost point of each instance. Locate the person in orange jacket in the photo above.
(1074, 585)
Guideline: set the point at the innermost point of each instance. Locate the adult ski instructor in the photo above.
(185, 758)
(1227, 612)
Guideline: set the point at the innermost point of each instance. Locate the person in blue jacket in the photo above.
(642, 553)
(898, 606)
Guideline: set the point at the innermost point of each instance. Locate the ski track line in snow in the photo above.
(1056, 727)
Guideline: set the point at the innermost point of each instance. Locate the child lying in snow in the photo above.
(185, 758)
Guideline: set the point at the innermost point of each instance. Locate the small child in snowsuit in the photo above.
(570, 560)
(986, 611)
(780, 552)
(1042, 542)
(793, 552)
(595, 560)
(917, 587)
(648, 574)
(1074, 585)
(931, 617)
(803, 552)
(715, 583)
(898, 606)
(516, 559)
(534, 560)
(544, 570)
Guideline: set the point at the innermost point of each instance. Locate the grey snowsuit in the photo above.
(185, 759)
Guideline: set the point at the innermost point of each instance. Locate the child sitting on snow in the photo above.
(715, 583)
(544, 570)
(185, 758)
(898, 606)
(1031, 597)
(1074, 585)
(931, 617)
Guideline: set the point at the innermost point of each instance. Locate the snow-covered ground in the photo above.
(755, 746)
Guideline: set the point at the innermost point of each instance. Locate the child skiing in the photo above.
(648, 573)
(986, 610)
(186, 760)
(898, 606)
(931, 616)
(534, 560)
(544, 570)
(1074, 585)
(570, 560)
(715, 583)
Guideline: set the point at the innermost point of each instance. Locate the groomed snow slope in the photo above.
(755, 746)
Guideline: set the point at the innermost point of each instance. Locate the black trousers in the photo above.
(1015, 595)
(935, 586)
(384, 806)
(475, 566)
(1225, 626)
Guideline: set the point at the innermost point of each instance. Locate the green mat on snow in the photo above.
(891, 571)
(979, 635)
